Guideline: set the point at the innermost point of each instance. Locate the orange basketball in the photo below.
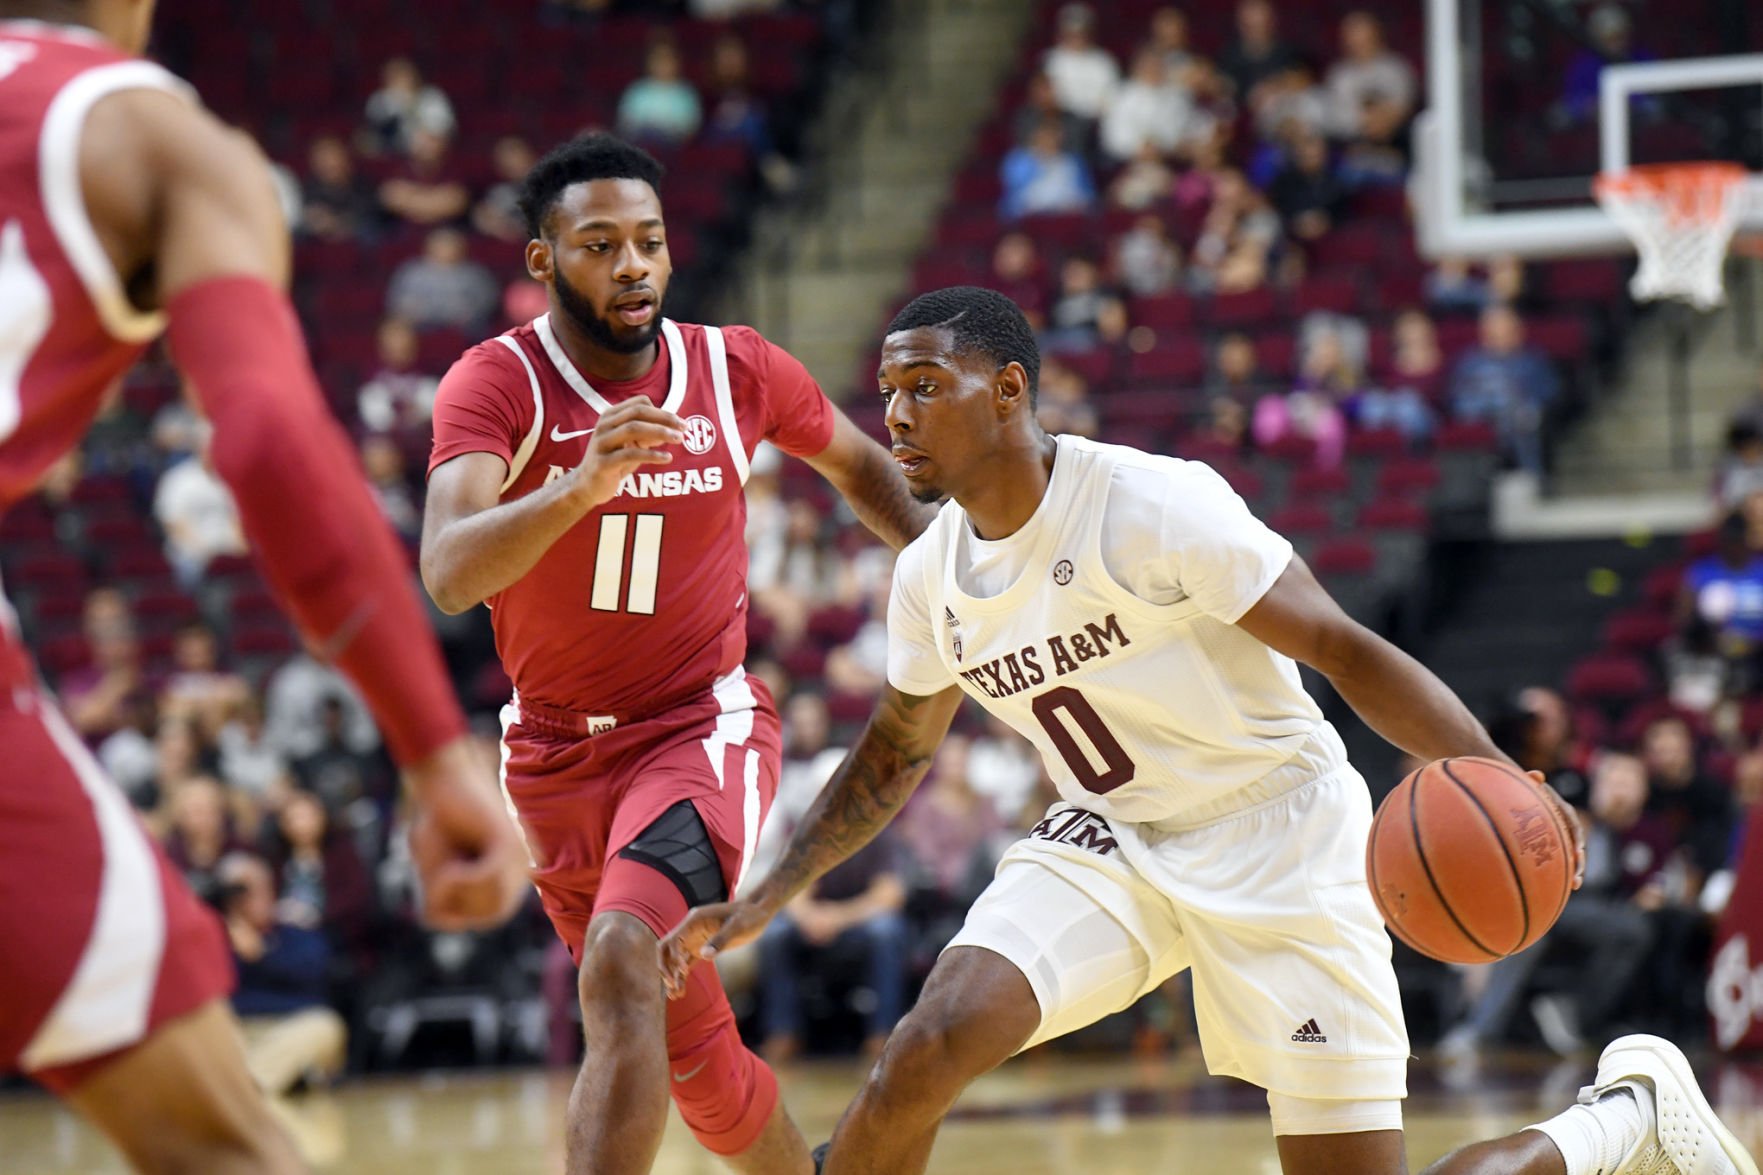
(1469, 861)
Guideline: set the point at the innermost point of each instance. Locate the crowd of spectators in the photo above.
(1219, 177)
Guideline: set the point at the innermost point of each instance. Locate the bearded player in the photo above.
(127, 211)
(1127, 614)
(586, 483)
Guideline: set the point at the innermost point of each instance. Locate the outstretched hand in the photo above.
(706, 932)
(1570, 818)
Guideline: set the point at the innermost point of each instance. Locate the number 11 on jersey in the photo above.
(645, 563)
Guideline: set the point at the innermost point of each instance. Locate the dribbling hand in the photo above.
(628, 436)
(706, 932)
(466, 850)
(1568, 817)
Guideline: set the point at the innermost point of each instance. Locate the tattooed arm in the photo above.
(866, 791)
(868, 479)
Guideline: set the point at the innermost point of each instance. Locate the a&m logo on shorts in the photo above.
(700, 434)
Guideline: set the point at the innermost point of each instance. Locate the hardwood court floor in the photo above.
(1041, 1115)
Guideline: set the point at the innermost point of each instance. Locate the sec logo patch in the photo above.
(700, 434)
(1062, 572)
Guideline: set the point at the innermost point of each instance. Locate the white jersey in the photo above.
(1104, 631)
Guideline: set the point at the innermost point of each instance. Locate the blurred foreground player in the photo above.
(126, 210)
(1127, 614)
(586, 483)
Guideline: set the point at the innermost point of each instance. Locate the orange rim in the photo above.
(1688, 192)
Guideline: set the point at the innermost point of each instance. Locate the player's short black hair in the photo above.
(982, 322)
(595, 155)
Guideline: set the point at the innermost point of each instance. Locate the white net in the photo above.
(1681, 218)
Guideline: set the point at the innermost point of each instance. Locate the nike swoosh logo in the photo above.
(568, 436)
(693, 1073)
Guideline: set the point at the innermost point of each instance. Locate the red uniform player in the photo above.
(586, 483)
(125, 211)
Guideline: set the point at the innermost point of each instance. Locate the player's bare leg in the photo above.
(183, 1101)
(779, 1150)
(1642, 1082)
(1372, 1152)
(618, 1108)
(977, 1010)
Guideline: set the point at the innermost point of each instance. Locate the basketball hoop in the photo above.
(1681, 217)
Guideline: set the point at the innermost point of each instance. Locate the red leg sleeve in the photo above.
(313, 525)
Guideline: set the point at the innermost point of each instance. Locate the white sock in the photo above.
(1594, 1139)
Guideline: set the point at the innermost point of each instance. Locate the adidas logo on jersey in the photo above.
(1309, 1033)
(954, 630)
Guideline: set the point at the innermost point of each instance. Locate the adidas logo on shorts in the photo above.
(1309, 1033)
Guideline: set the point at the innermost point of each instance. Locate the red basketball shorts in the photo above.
(100, 940)
(580, 797)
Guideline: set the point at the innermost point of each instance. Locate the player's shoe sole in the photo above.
(1686, 1122)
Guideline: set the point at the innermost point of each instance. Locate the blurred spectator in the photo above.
(200, 833)
(1146, 259)
(1535, 728)
(1505, 284)
(405, 106)
(296, 704)
(1741, 470)
(792, 570)
(1697, 809)
(197, 513)
(1416, 361)
(952, 836)
(129, 755)
(178, 757)
(426, 190)
(1368, 80)
(1168, 37)
(1085, 313)
(1312, 409)
(1723, 593)
(1256, 53)
(1196, 187)
(337, 202)
(1305, 191)
(1064, 404)
(443, 287)
(1150, 109)
(1235, 371)
(335, 771)
(1040, 104)
(1018, 274)
(101, 697)
(1041, 177)
(1603, 933)
(383, 461)
(1612, 35)
(1508, 385)
(1085, 76)
(400, 395)
(1145, 181)
(284, 972)
(248, 762)
(1234, 252)
(661, 106)
(1453, 286)
(497, 213)
(854, 913)
(737, 116)
(523, 301)
(199, 689)
(1288, 105)
(323, 882)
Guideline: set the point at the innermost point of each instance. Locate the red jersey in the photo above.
(643, 604)
(67, 328)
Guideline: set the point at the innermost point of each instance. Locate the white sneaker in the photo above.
(1686, 1138)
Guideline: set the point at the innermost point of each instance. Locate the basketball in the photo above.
(1469, 861)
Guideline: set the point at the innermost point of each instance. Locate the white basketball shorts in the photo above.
(1293, 985)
